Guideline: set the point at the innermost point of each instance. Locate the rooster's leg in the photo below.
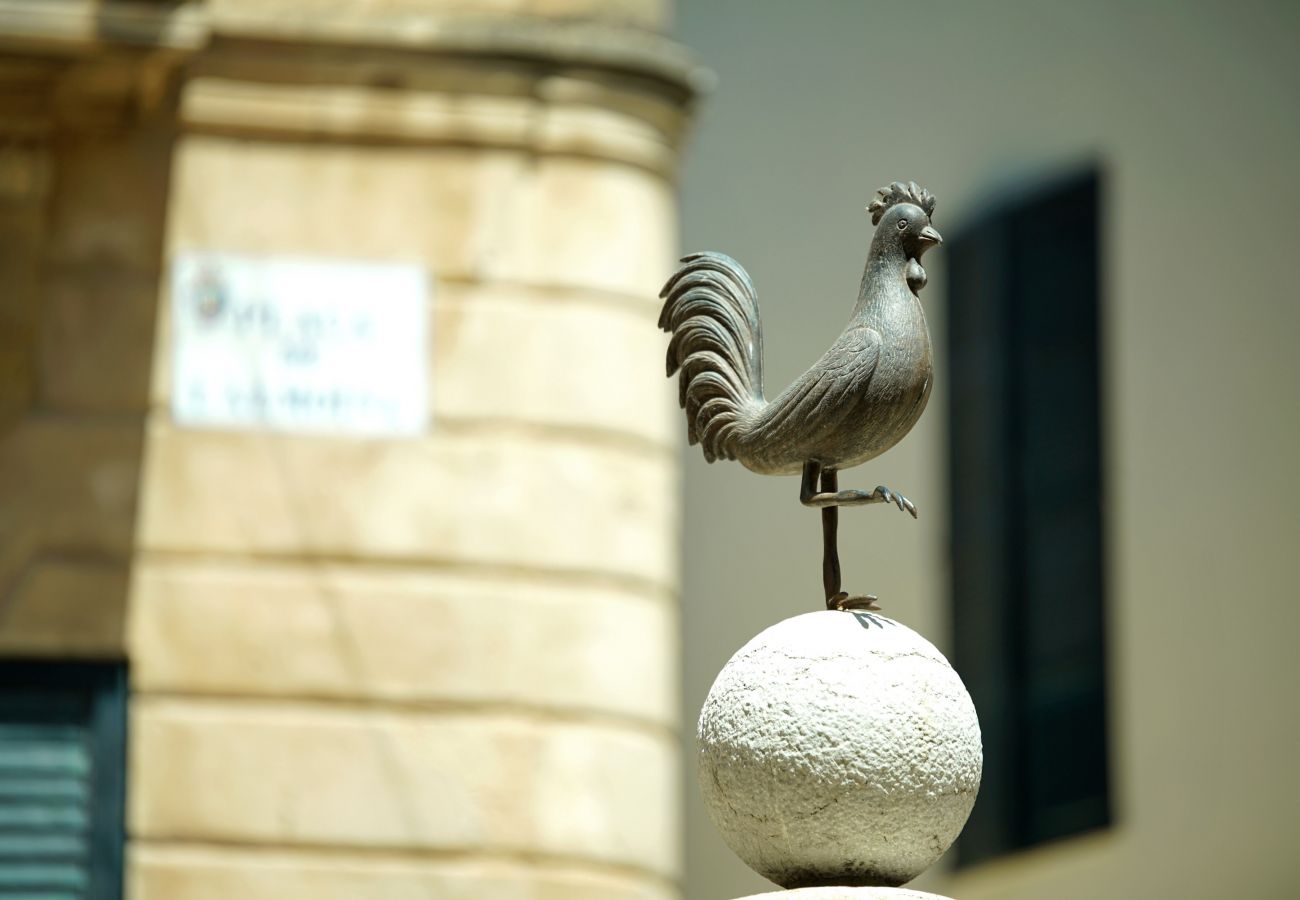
(831, 497)
(835, 598)
(830, 539)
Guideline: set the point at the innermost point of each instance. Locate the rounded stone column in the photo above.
(439, 664)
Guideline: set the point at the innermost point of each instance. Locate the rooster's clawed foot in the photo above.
(842, 601)
(883, 493)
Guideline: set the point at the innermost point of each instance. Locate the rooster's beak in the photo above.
(929, 235)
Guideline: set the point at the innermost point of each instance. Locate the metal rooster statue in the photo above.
(857, 401)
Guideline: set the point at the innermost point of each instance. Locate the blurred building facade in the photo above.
(985, 104)
(440, 663)
(443, 663)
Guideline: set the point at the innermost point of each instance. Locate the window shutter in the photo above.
(1026, 478)
(62, 730)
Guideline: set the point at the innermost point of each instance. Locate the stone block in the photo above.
(643, 13)
(607, 133)
(247, 13)
(97, 339)
(554, 359)
(184, 873)
(66, 608)
(21, 229)
(592, 224)
(473, 499)
(292, 775)
(24, 160)
(602, 105)
(69, 490)
(576, 116)
(24, 182)
(383, 203)
(404, 636)
(109, 198)
(468, 214)
(362, 111)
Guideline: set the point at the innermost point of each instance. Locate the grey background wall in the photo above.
(1190, 110)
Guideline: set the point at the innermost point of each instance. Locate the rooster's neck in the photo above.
(884, 275)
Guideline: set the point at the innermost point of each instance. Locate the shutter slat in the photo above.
(28, 758)
(44, 703)
(44, 787)
(43, 847)
(54, 732)
(43, 816)
(38, 877)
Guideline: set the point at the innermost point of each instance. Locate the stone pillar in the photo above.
(442, 665)
(431, 665)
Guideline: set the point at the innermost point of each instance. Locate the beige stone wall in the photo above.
(83, 174)
(441, 665)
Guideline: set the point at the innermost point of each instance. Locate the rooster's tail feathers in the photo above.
(712, 312)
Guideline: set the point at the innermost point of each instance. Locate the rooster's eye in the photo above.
(902, 224)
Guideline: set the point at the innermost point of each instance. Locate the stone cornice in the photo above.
(75, 28)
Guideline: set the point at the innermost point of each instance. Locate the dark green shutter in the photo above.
(1026, 481)
(62, 745)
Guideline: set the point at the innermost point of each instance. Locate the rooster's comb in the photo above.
(898, 193)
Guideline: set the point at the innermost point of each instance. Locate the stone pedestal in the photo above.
(839, 748)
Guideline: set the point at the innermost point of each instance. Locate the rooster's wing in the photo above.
(830, 389)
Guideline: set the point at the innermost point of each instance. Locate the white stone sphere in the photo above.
(839, 748)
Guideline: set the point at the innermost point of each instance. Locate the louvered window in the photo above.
(62, 761)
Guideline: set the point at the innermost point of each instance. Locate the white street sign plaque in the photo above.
(297, 344)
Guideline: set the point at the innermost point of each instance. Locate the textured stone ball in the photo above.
(839, 748)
